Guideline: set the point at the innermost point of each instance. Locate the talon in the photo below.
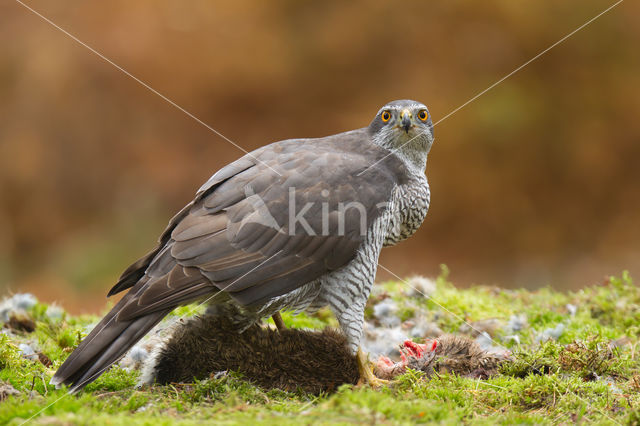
(374, 383)
(366, 373)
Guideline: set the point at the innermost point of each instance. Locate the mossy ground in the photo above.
(580, 377)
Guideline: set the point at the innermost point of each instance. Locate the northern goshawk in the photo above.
(294, 225)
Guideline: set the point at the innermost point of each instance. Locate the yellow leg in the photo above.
(366, 373)
(277, 319)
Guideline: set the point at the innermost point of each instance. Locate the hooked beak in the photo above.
(405, 120)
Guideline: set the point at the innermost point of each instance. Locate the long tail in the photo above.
(106, 343)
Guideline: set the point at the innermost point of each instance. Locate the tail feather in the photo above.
(146, 303)
(129, 337)
(107, 342)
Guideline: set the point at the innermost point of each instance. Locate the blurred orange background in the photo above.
(535, 183)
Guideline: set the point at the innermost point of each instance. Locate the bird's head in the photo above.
(405, 126)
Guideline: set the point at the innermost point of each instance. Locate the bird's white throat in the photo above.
(412, 148)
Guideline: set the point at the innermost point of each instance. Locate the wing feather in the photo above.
(236, 235)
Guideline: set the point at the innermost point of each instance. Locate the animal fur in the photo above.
(450, 354)
(290, 359)
(293, 359)
(463, 356)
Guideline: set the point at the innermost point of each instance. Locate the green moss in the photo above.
(580, 377)
(406, 313)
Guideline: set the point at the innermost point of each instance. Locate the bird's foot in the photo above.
(372, 382)
(366, 372)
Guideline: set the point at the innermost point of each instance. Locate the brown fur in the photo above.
(463, 356)
(312, 361)
(453, 354)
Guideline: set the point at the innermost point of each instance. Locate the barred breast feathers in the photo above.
(412, 204)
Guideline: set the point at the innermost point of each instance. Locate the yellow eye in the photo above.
(423, 115)
(386, 116)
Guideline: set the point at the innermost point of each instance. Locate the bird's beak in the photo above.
(405, 120)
